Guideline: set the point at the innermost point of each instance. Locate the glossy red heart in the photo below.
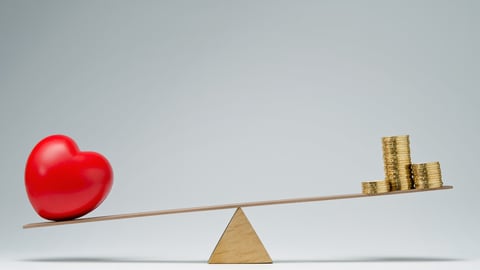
(64, 183)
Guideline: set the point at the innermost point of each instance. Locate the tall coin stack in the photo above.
(397, 162)
(427, 175)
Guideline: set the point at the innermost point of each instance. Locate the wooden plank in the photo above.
(223, 206)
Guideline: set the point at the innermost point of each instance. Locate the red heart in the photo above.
(64, 183)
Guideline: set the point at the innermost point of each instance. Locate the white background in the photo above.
(207, 102)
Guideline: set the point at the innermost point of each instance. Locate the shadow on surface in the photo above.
(344, 260)
(374, 259)
(107, 260)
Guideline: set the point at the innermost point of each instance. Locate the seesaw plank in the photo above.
(223, 206)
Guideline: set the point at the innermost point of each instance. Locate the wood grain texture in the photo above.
(239, 243)
(223, 206)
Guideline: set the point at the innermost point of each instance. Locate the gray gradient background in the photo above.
(205, 102)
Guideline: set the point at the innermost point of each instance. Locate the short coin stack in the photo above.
(427, 175)
(375, 187)
(396, 158)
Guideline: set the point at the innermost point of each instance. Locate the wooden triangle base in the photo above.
(239, 243)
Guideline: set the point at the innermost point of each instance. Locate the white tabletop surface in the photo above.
(151, 263)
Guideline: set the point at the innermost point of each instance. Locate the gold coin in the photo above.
(435, 185)
(396, 138)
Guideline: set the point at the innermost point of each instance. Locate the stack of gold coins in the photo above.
(396, 158)
(427, 175)
(375, 187)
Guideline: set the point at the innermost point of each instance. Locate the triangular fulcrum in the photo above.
(239, 243)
